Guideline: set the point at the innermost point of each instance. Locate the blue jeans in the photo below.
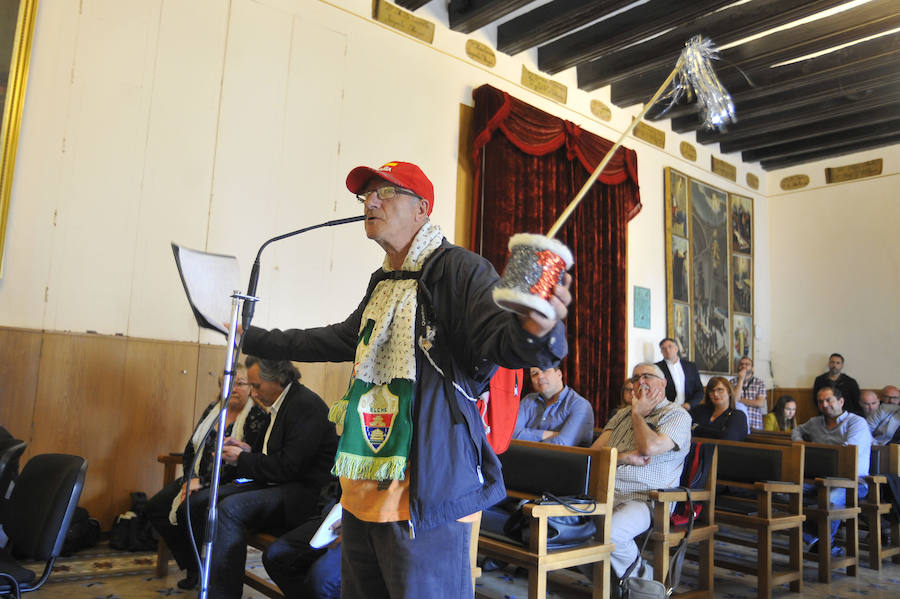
(300, 571)
(837, 498)
(379, 560)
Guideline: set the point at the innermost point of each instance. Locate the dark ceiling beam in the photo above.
(823, 142)
(865, 20)
(882, 51)
(869, 118)
(721, 27)
(551, 20)
(466, 16)
(849, 86)
(827, 153)
(412, 4)
(620, 30)
(782, 119)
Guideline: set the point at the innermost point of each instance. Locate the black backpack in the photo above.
(132, 530)
(83, 532)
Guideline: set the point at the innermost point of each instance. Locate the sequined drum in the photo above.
(536, 265)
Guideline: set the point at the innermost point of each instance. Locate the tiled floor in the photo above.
(104, 574)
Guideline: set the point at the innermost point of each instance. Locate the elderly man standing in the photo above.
(752, 394)
(413, 460)
(883, 419)
(652, 437)
(836, 427)
(554, 413)
(683, 385)
(836, 378)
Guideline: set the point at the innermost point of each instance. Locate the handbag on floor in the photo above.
(633, 587)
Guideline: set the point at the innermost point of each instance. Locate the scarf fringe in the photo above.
(338, 411)
(358, 467)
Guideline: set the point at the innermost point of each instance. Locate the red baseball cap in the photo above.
(405, 174)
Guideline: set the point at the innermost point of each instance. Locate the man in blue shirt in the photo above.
(836, 427)
(554, 413)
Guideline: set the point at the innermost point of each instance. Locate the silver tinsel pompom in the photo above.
(696, 77)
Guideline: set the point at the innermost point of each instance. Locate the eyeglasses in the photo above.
(386, 192)
(647, 376)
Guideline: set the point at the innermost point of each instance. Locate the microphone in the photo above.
(250, 305)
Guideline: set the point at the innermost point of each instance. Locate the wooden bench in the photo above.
(885, 460)
(665, 536)
(830, 467)
(260, 541)
(529, 469)
(749, 477)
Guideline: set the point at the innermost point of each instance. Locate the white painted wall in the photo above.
(835, 273)
(220, 123)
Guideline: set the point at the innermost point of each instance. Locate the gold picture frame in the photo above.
(16, 37)
(709, 272)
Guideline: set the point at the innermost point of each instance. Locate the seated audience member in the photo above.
(683, 385)
(716, 417)
(652, 437)
(751, 399)
(883, 419)
(554, 413)
(245, 421)
(301, 571)
(890, 394)
(836, 378)
(835, 426)
(784, 417)
(286, 475)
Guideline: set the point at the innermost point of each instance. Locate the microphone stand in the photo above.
(234, 347)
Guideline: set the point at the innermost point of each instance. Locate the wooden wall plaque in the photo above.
(601, 110)
(481, 53)
(652, 135)
(722, 168)
(794, 182)
(403, 21)
(860, 170)
(752, 181)
(688, 151)
(546, 87)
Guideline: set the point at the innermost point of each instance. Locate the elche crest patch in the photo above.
(377, 410)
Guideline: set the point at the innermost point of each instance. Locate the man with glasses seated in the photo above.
(890, 395)
(652, 437)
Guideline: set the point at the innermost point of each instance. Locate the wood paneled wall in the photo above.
(117, 401)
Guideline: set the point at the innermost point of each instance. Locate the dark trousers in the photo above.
(176, 537)
(246, 508)
(300, 571)
(379, 560)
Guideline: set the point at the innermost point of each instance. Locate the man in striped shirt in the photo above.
(752, 394)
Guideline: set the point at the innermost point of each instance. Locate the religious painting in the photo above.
(16, 33)
(741, 224)
(682, 330)
(680, 269)
(709, 262)
(679, 203)
(741, 339)
(741, 284)
(709, 271)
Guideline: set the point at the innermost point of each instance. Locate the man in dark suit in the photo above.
(683, 384)
(836, 378)
(287, 475)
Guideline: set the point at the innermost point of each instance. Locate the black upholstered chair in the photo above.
(39, 512)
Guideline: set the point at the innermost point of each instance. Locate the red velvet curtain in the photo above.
(528, 167)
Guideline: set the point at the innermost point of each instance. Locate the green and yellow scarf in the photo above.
(376, 411)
